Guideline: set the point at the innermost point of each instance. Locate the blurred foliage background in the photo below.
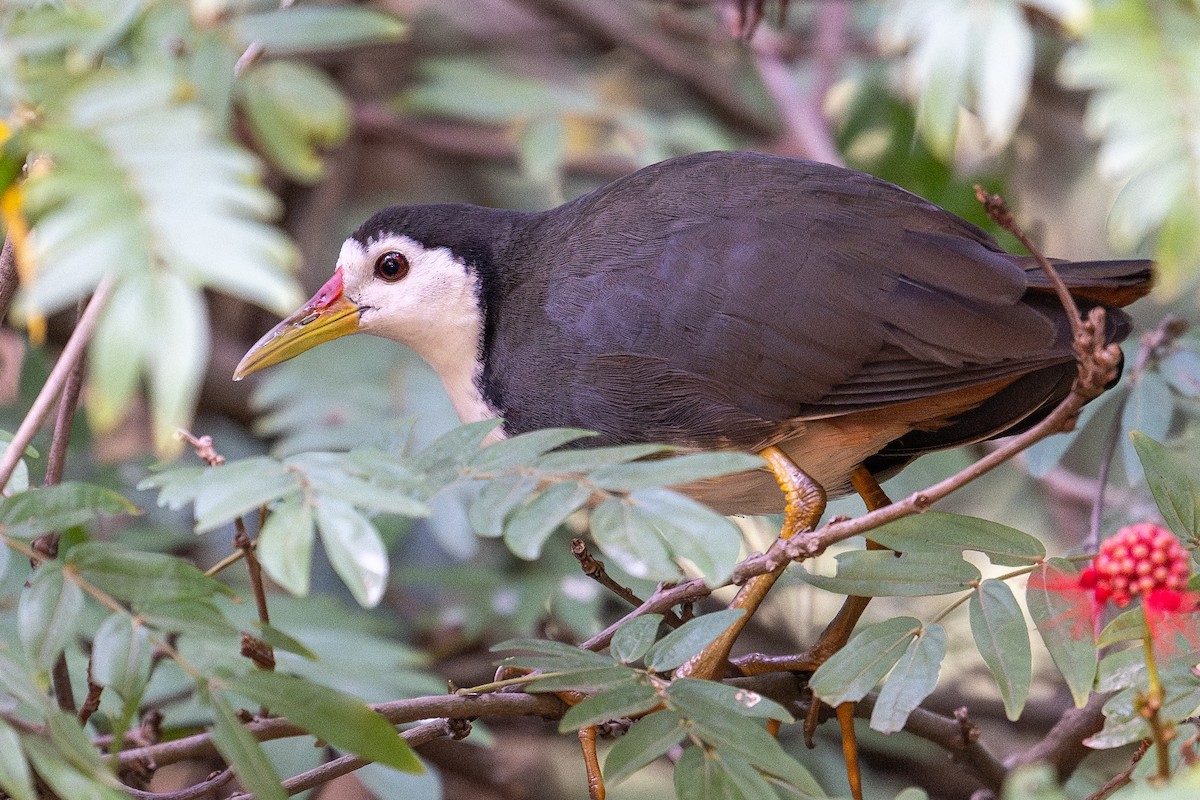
(204, 159)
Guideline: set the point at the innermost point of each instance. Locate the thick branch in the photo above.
(1062, 747)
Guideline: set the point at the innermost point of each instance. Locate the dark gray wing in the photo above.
(714, 300)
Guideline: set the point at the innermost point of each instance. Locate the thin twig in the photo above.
(420, 735)
(205, 788)
(258, 651)
(9, 280)
(91, 703)
(619, 25)
(1124, 777)
(64, 693)
(70, 356)
(594, 568)
(68, 404)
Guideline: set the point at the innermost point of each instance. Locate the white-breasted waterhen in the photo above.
(831, 321)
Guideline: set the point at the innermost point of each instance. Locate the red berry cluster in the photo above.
(1138, 560)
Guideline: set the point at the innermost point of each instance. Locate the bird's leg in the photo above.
(804, 507)
(832, 639)
(838, 631)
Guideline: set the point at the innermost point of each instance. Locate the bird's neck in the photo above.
(491, 241)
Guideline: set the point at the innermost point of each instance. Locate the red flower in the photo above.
(1146, 561)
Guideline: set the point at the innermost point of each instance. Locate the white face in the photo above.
(433, 308)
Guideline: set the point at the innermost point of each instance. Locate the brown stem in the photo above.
(91, 703)
(619, 25)
(1062, 747)
(398, 711)
(206, 788)
(68, 404)
(9, 281)
(1124, 777)
(594, 568)
(71, 355)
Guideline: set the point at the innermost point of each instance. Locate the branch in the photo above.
(1062, 747)
(617, 25)
(954, 734)
(9, 281)
(396, 712)
(491, 143)
(421, 734)
(802, 112)
(70, 356)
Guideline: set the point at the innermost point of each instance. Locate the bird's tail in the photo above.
(1109, 283)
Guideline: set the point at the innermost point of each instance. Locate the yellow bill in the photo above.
(327, 316)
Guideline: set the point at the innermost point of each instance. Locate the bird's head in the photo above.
(389, 284)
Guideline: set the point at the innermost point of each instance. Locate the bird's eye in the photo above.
(391, 266)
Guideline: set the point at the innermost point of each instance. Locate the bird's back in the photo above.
(729, 299)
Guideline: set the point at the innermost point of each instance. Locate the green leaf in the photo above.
(747, 738)
(64, 505)
(1033, 782)
(911, 680)
(690, 639)
(633, 639)
(598, 679)
(121, 656)
(1170, 480)
(48, 615)
(1149, 411)
(1062, 613)
(646, 740)
(306, 28)
(630, 537)
(497, 500)
(195, 616)
(524, 449)
(590, 458)
(73, 744)
(936, 531)
(16, 681)
(626, 700)
(855, 669)
(698, 776)
(179, 327)
(15, 777)
(340, 719)
(64, 779)
(1128, 626)
(741, 775)
(236, 488)
(142, 579)
(531, 525)
(874, 573)
(294, 112)
(685, 692)
(691, 530)
(673, 471)
(354, 549)
(282, 641)
(1003, 640)
(451, 452)
(286, 542)
(243, 753)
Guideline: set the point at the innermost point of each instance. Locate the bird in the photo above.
(722, 301)
(830, 321)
